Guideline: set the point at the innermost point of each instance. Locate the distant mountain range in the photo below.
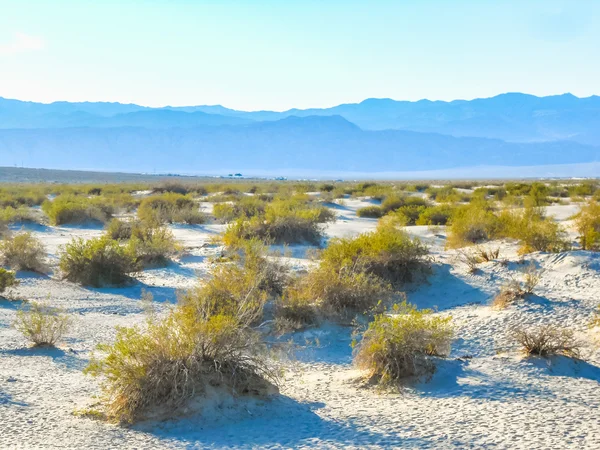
(375, 135)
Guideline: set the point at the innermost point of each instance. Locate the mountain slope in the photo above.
(310, 143)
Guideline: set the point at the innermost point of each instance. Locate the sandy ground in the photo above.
(485, 395)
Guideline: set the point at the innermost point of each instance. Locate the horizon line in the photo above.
(300, 109)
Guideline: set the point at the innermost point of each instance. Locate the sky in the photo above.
(276, 55)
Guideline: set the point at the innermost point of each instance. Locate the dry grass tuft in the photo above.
(548, 340)
(42, 324)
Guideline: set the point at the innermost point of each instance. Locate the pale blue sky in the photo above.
(290, 53)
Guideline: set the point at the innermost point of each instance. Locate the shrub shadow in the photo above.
(67, 359)
(283, 423)
(563, 366)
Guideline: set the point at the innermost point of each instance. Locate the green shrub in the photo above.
(204, 343)
(96, 262)
(370, 211)
(151, 245)
(471, 224)
(42, 324)
(246, 207)
(68, 209)
(446, 194)
(7, 279)
(401, 345)
(388, 253)
(435, 215)
(290, 222)
(170, 208)
(339, 295)
(120, 230)
(16, 215)
(587, 222)
(23, 252)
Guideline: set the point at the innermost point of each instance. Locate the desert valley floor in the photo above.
(485, 395)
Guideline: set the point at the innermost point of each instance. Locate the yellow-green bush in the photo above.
(205, 342)
(435, 215)
(401, 345)
(370, 211)
(120, 230)
(67, 209)
(16, 215)
(23, 251)
(388, 253)
(587, 222)
(285, 221)
(471, 224)
(7, 279)
(246, 207)
(42, 324)
(151, 245)
(170, 208)
(96, 262)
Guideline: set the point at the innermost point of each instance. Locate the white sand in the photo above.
(492, 399)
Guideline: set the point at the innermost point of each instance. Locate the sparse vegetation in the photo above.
(70, 209)
(170, 208)
(587, 222)
(151, 245)
(547, 340)
(42, 324)
(401, 345)
(516, 290)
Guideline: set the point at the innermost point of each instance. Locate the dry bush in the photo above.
(471, 260)
(96, 262)
(548, 340)
(7, 279)
(587, 222)
(401, 345)
(23, 252)
(487, 255)
(42, 324)
(516, 290)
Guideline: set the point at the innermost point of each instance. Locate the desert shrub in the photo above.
(120, 230)
(547, 340)
(446, 194)
(23, 251)
(326, 187)
(178, 359)
(42, 324)
(516, 290)
(7, 279)
(469, 259)
(370, 211)
(471, 224)
(17, 196)
(295, 311)
(16, 215)
(401, 345)
(170, 208)
(409, 214)
(66, 209)
(180, 188)
(338, 295)
(285, 221)
(587, 222)
(96, 262)
(388, 253)
(518, 189)
(151, 245)
(246, 207)
(535, 232)
(392, 203)
(435, 215)
(582, 189)
(486, 255)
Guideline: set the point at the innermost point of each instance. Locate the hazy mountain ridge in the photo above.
(311, 143)
(374, 135)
